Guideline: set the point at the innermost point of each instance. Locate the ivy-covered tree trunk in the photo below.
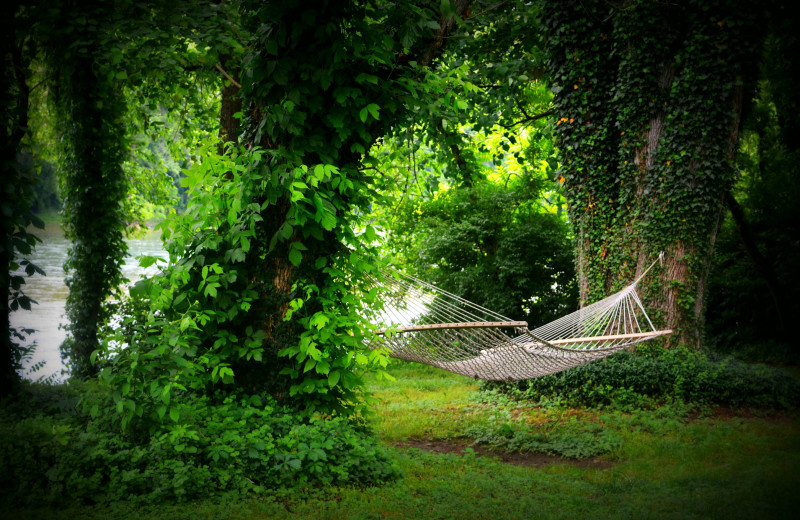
(322, 83)
(93, 190)
(649, 98)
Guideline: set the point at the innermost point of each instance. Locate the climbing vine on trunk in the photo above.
(93, 181)
(267, 283)
(649, 97)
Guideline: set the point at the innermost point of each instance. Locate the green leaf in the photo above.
(374, 110)
(295, 256)
(146, 261)
(174, 414)
(371, 109)
(328, 221)
(187, 322)
(333, 378)
(367, 78)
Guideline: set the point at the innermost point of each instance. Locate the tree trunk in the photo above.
(14, 210)
(649, 100)
(231, 103)
(760, 264)
(94, 184)
(307, 108)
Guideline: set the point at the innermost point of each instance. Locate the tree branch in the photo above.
(760, 264)
(528, 119)
(233, 81)
(492, 8)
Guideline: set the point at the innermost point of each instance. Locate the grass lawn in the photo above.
(666, 463)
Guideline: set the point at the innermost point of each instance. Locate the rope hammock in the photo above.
(423, 323)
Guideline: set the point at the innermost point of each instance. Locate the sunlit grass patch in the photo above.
(422, 401)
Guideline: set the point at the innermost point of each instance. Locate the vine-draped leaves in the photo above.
(205, 323)
(267, 278)
(100, 55)
(93, 186)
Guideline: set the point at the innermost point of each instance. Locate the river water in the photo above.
(50, 292)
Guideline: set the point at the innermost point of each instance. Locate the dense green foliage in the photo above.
(262, 290)
(468, 184)
(225, 445)
(465, 237)
(653, 376)
(200, 327)
(666, 464)
(78, 116)
(419, 133)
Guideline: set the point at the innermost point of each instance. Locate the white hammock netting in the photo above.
(423, 323)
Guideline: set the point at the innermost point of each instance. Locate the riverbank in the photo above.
(46, 317)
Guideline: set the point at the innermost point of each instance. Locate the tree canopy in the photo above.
(310, 144)
(531, 157)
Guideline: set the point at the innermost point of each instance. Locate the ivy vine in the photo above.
(648, 98)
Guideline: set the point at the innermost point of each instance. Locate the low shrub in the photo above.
(654, 375)
(572, 443)
(224, 446)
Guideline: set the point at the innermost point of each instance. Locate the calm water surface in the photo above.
(50, 291)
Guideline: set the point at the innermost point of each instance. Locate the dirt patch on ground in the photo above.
(725, 413)
(517, 459)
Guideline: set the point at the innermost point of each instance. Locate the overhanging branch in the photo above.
(233, 81)
(528, 119)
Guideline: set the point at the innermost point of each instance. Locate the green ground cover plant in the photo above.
(56, 452)
(669, 463)
(655, 376)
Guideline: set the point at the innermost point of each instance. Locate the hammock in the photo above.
(425, 324)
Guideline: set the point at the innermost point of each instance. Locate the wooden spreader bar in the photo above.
(591, 339)
(462, 325)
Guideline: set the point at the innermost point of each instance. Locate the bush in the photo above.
(465, 237)
(572, 441)
(219, 446)
(654, 375)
